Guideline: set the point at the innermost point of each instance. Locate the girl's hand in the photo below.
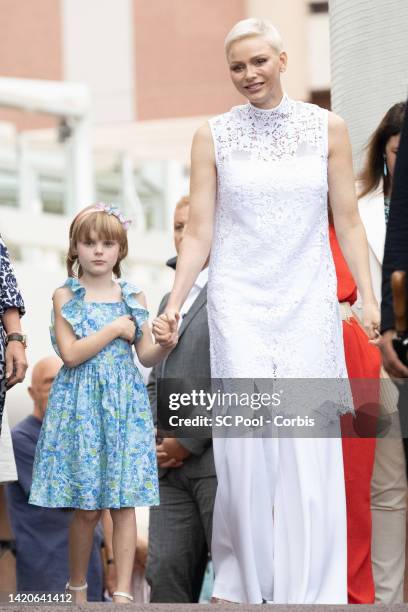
(165, 333)
(371, 320)
(125, 327)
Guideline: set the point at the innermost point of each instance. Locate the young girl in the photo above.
(97, 446)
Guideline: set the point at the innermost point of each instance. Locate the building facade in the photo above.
(155, 71)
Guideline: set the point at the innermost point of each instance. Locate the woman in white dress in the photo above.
(260, 177)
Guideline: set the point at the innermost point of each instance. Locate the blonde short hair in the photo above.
(254, 27)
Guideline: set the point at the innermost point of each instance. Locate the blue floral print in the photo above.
(97, 447)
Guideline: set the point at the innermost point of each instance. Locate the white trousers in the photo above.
(279, 527)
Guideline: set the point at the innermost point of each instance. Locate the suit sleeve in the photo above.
(194, 445)
(396, 242)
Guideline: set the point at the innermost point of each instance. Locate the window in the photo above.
(321, 98)
(319, 7)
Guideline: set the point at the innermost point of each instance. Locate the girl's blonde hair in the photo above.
(254, 27)
(106, 226)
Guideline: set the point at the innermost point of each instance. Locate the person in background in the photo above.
(389, 485)
(41, 534)
(8, 470)
(180, 527)
(363, 363)
(395, 255)
(13, 362)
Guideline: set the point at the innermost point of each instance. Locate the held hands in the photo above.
(165, 331)
(125, 327)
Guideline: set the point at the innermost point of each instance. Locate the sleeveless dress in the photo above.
(279, 519)
(97, 444)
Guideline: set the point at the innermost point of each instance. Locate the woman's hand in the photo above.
(125, 327)
(165, 331)
(173, 317)
(16, 363)
(371, 320)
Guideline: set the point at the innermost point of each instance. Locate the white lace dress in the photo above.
(279, 521)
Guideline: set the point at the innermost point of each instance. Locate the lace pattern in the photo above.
(272, 301)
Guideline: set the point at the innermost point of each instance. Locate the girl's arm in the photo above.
(349, 227)
(148, 352)
(75, 351)
(197, 240)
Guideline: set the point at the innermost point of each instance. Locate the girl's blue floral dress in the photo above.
(97, 446)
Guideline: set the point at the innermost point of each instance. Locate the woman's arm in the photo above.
(11, 309)
(148, 352)
(75, 351)
(349, 227)
(16, 361)
(196, 243)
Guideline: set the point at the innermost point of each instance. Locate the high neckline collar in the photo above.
(279, 109)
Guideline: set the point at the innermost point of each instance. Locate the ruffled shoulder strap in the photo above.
(139, 313)
(72, 311)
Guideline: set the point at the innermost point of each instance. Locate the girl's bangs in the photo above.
(105, 226)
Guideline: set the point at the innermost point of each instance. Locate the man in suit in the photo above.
(180, 527)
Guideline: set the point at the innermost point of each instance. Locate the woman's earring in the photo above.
(385, 166)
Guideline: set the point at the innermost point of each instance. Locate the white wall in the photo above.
(290, 17)
(318, 43)
(98, 50)
(369, 50)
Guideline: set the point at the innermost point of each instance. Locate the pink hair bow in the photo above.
(111, 209)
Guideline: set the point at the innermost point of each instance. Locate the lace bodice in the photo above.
(250, 133)
(272, 287)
